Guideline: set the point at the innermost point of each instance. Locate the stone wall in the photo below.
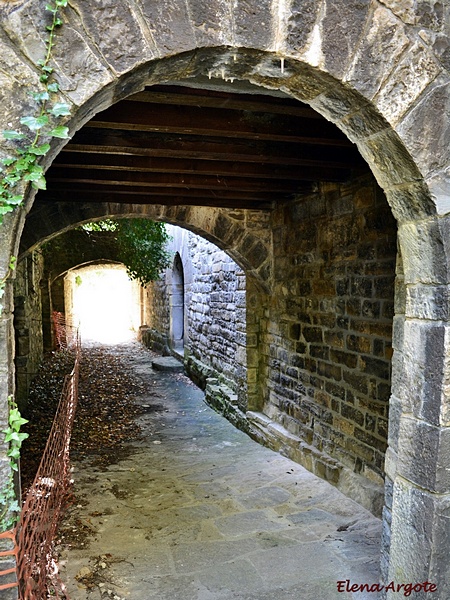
(28, 322)
(326, 342)
(214, 313)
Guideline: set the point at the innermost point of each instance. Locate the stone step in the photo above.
(168, 363)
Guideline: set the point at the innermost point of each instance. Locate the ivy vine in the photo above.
(40, 127)
(19, 171)
(8, 500)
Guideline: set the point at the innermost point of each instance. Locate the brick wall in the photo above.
(327, 341)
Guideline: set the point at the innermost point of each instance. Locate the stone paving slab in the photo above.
(199, 511)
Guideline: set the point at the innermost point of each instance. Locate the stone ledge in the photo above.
(275, 436)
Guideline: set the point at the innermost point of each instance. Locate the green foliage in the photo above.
(142, 248)
(104, 225)
(8, 501)
(23, 168)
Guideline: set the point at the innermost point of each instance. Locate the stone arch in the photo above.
(373, 70)
(250, 249)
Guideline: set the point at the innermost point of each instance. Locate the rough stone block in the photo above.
(420, 375)
(253, 23)
(423, 451)
(341, 26)
(300, 23)
(426, 302)
(420, 533)
(422, 251)
(428, 137)
(416, 70)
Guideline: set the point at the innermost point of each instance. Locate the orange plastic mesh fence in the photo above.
(11, 536)
(64, 332)
(37, 571)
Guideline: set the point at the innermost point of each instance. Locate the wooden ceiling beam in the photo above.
(131, 116)
(98, 177)
(310, 170)
(183, 96)
(210, 148)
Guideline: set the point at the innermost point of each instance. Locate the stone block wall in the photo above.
(28, 322)
(327, 340)
(214, 313)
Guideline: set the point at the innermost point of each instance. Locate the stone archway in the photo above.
(380, 99)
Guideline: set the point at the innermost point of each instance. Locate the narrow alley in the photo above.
(193, 509)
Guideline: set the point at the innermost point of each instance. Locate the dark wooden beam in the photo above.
(183, 96)
(210, 148)
(79, 165)
(225, 123)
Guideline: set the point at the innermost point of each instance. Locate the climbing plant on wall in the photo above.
(141, 246)
(30, 143)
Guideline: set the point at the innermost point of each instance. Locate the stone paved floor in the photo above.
(198, 511)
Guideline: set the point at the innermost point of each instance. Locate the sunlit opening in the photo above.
(104, 303)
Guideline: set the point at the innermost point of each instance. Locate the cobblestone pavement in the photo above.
(198, 511)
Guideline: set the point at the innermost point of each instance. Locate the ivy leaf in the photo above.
(53, 87)
(39, 150)
(60, 132)
(34, 123)
(39, 184)
(10, 134)
(24, 163)
(5, 208)
(34, 174)
(12, 436)
(6, 162)
(15, 200)
(14, 453)
(40, 96)
(60, 109)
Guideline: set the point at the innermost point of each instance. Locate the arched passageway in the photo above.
(382, 104)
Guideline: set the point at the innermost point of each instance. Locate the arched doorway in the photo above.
(177, 306)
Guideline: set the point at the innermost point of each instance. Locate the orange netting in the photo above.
(64, 332)
(37, 571)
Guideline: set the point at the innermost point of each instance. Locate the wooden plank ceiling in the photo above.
(177, 145)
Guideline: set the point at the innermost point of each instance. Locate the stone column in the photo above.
(418, 457)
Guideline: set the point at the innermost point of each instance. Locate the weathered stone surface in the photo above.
(117, 33)
(212, 23)
(382, 44)
(431, 303)
(421, 371)
(169, 24)
(423, 453)
(424, 259)
(427, 137)
(416, 70)
(439, 186)
(301, 19)
(254, 24)
(389, 160)
(420, 528)
(341, 30)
